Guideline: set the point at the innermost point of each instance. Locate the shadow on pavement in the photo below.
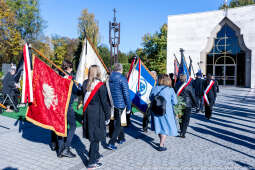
(136, 132)
(80, 148)
(245, 165)
(10, 168)
(33, 133)
(208, 132)
(226, 123)
(228, 136)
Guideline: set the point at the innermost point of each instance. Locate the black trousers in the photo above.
(118, 131)
(146, 119)
(64, 143)
(93, 151)
(54, 138)
(208, 111)
(200, 100)
(185, 121)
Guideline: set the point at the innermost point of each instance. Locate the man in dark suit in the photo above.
(198, 85)
(210, 95)
(186, 91)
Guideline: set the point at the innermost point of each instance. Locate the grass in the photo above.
(22, 114)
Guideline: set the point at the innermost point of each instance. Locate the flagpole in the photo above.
(176, 59)
(3, 106)
(51, 62)
(192, 66)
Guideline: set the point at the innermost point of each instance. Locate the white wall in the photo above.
(192, 31)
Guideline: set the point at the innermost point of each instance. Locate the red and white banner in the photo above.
(27, 89)
(51, 99)
(184, 85)
(93, 92)
(131, 68)
(209, 87)
(139, 74)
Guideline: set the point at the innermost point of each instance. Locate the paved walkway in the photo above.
(227, 141)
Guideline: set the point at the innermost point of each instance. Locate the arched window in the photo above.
(226, 58)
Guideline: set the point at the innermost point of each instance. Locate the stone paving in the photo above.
(227, 141)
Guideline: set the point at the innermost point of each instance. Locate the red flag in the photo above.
(51, 99)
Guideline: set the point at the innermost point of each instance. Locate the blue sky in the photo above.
(137, 17)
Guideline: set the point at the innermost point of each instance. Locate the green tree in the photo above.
(60, 49)
(43, 44)
(29, 22)
(105, 53)
(154, 50)
(238, 3)
(10, 39)
(64, 48)
(88, 26)
(71, 48)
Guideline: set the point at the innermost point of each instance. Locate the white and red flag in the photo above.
(27, 89)
(89, 56)
(209, 87)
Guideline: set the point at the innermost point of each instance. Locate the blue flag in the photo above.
(183, 69)
(140, 84)
(190, 66)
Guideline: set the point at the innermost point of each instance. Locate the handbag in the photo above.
(158, 104)
(110, 98)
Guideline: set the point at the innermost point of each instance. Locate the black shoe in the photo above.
(181, 135)
(99, 158)
(53, 146)
(121, 141)
(66, 153)
(162, 148)
(111, 147)
(145, 130)
(94, 166)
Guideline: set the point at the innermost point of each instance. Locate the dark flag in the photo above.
(190, 65)
(176, 68)
(183, 69)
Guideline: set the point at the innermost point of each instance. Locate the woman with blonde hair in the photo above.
(164, 124)
(95, 111)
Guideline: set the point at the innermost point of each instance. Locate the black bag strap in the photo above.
(160, 91)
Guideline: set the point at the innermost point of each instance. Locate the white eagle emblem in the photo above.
(50, 99)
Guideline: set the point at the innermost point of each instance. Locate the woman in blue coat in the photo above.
(164, 125)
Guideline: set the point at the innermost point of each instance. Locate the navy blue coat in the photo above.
(119, 90)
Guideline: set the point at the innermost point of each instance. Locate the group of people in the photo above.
(199, 93)
(105, 103)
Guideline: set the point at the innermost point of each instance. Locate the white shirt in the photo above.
(89, 92)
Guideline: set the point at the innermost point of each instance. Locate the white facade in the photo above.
(195, 33)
